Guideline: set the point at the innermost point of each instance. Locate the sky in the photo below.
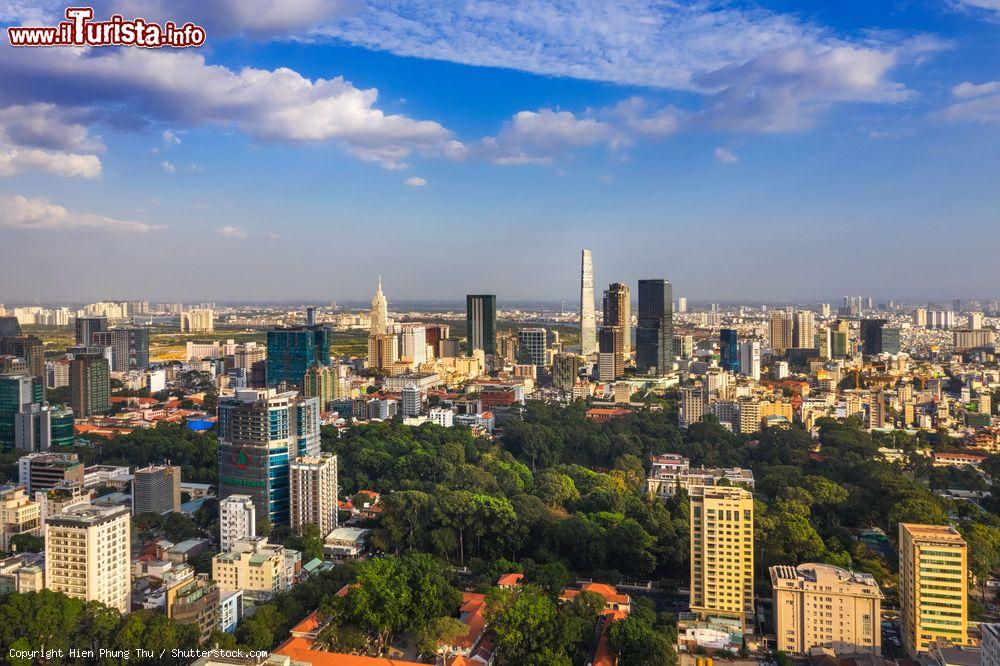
(771, 151)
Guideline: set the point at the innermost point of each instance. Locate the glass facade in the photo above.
(290, 352)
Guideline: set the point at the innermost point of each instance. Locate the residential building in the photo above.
(933, 579)
(566, 370)
(237, 520)
(382, 350)
(991, 643)
(782, 331)
(820, 605)
(313, 486)
(129, 347)
(194, 600)
(442, 416)
(87, 554)
(259, 568)
(804, 334)
(412, 400)
(156, 489)
(320, 381)
(611, 343)
(618, 312)
(260, 431)
(481, 323)
(654, 333)
(722, 552)
(692, 405)
(230, 610)
(18, 515)
(670, 473)
(198, 320)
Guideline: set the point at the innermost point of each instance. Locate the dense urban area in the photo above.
(633, 480)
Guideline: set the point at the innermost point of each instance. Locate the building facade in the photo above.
(237, 520)
(588, 317)
(481, 323)
(654, 333)
(313, 483)
(156, 489)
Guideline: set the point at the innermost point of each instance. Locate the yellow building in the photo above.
(722, 552)
(18, 515)
(819, 605)
(259, 568)
(318, 382)
(933, 578)
(381, 351)
(87, 552)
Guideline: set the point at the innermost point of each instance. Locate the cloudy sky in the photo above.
(768, 151)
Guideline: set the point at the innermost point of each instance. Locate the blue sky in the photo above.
(780, 151)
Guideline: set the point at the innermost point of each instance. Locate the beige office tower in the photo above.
(782, 329)
(933, 576)
(313, 489)
(618, 312)
(87, 551)
(722, 552)
(381, 351)
(380, 311)
(819, 605)
(692, 405)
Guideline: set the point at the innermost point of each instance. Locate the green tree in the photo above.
(522, 623)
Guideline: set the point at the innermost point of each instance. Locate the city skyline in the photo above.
(808, 152)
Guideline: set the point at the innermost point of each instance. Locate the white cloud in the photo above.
(170, 138)
(538, 137)
(636, 115)
(14, 159)
(415, 182)
(983, 109)
(725, 156)
(44, 137)
(195, 168)
(967, 89)
(269, 105)
(991, 8)
(168, 166)
(19, 212)
(230, 231)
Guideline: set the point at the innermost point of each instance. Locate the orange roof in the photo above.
(510, 579)
(602, 654)
(473, 616)
(609, 592)
(300, 649)
(310, 626)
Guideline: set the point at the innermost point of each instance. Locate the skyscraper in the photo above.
(612, 341)
(933, 575)
(729, 348)
(24, 419)
(877, 338)
(318, 382)
(414, 343)
(85, 328)
(782, 328)
(750, 359)
(722, 567)
(481, 323)
(260, 431)
(130, 347)
(804, 334)
(379, 311)
(588, 318)
(618, 312)
(290, 352)
(654, 335)
(89, 384)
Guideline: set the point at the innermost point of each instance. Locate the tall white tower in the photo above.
(380, 311)
(588, 319)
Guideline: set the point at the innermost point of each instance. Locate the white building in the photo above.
(413, 401)
(414, 344)
(991, 644)
(237, 520)
(87, 552)
(313, 492)
(198, 320)
(442, 416)
(750, 359)
(230, 610)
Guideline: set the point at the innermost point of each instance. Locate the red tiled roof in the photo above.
(300, 649)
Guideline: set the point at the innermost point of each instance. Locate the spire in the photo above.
(379, 290)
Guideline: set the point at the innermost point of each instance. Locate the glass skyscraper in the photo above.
(654, 335)
(290, 352)
(729, 347)
(481, 322)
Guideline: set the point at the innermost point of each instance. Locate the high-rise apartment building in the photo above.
(319, 382)
(382, 350)
(618, 312)
(722, 553)
(820, 605)
(291, 350)
(566, 370)
(198, 320)
(991, 643)
(782, 331)
(481, 323)
(682, 304)
(379, 315)
(129, 347)
(237, 520)
(313, 484)
(654, 334)
(692, 407)
(85, 327)
(531, 346)
(156, 489)
(729, 350)
(89, 384)
(750, 359)
(611, 342)
(413, 341)
(804, 334)
(87, 554)
(260, 431)
(192, 600)
(588, 317)
(933, 578)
